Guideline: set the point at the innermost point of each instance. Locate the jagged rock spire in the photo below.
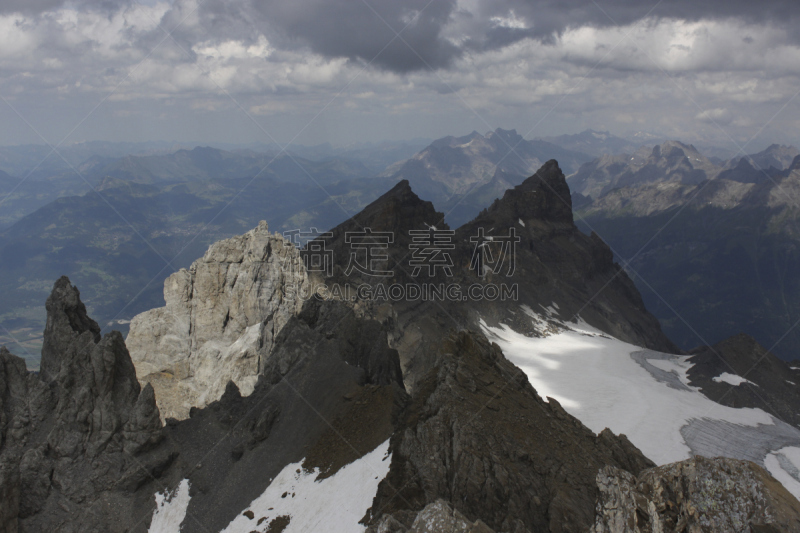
(66, 321)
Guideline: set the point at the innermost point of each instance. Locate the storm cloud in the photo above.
(360, 69)
(424, 34)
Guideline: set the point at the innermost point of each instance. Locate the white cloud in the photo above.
(677, 76)
(229, 50)
(717, 115)
(511, 20)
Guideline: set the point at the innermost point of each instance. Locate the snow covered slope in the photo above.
(644, 394)
(334, 504)
(170, 509)
(295, 500)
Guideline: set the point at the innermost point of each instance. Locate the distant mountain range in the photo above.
(205, 163)
(595, 143)
(463, 175)
(714, 249)
(47, 176)
(7, 183)
(677, 164)
(113, 226)
(56, 225)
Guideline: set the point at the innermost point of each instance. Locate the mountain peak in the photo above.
(668, 147)
(66, 320)
(510, 136)
(398, 210)
(776, 155)
(544, 196)
(402, 188)
(401, 194)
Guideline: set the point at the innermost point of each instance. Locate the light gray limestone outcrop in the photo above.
(697, 495)
(219, 322)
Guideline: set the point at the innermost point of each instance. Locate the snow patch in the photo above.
(596, 379)
(170, 509)
(732, 379)
(333, 504)
(784, 465)
(551, 310)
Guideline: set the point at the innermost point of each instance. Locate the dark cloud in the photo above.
(546, 19)
(553, 16)
(366, 31)
(29, 6)
(33, 7)
(434, 33)
(350, 28)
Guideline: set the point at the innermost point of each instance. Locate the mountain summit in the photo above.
(459, 173)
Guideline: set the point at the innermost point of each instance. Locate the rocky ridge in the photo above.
(555, 263)
(477, 434)
(69, 434)
(776, 156)
(84, 450)
(766, 382)
(436, 516)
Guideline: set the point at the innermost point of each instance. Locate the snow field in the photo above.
(334, 504)
(596, 379)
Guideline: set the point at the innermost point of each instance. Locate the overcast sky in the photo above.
(311, 71)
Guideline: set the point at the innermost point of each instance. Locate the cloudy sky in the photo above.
(310, 71)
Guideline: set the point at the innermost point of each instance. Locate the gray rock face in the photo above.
(9, 499)
(66, 316)
(68, 435)
(696, 495)
(771, 383)
(328, 394)
(477, 435)
(434, 518)
(220, 321)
